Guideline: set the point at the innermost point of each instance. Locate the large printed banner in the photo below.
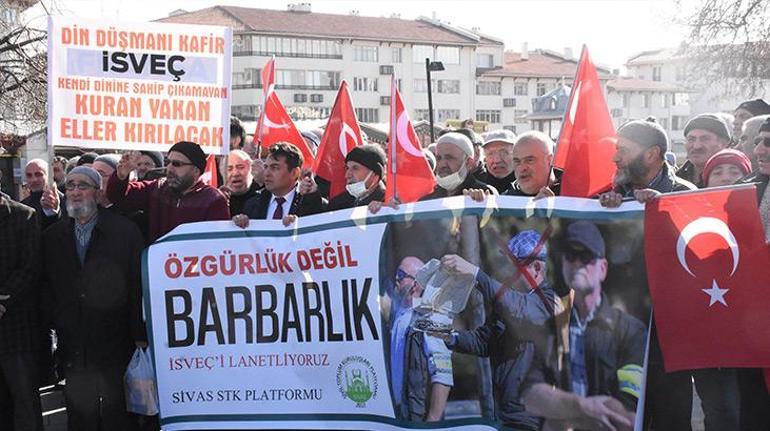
(141, 86)
(349, 320)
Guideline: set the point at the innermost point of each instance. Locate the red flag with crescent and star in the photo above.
(587, 139)
(277, 126)
(709, 276)
(342, 134)
(409, 176)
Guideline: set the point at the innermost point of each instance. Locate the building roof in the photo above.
(540, 64)
(655, 56)
(633, 84)
(311, 24)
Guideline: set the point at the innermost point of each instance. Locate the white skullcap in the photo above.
(458, 140)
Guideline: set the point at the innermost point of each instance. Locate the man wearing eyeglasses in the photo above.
(179, 198)
(92, 296)
(498, 159)
(594, 380)
(421, 365)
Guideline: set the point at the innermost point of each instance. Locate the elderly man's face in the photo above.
(582, 271)
(498, 157)
(407, 287)
(631, 160)
(36, 176)
(81, 195)
(701, 145)
(58, 172)
(144, 165)
(762, 152)
(532, 164)
(741, 115)
(239, 177)
(356, 172)
(105, 171)
(449, 159)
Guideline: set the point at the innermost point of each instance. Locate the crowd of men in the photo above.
(70, 272)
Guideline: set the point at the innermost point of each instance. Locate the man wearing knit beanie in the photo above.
(746, 110)
(364, 171)
(454, 162)
(642, 172)
(725, 168)
(179, 198)
(705, 134)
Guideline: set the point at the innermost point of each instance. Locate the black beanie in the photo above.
(370, 155)
(756, 107)
(765, 126)
(87, 158)
(646, 133)
(193, 152)
(712, 123)
(156, 157)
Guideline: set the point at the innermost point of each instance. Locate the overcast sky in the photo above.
(613, 29)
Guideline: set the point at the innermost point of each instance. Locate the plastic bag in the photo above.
(141, 390)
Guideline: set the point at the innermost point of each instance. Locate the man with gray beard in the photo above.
(92, 296)
(642, 172)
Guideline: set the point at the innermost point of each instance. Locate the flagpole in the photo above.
(393, 140)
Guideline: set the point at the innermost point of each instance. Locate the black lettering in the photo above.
(233, 315)
(313, 311)
(361, 310)
(290, 314)
(330, 334)
(184, 316)
(209, 306)
(266, 311)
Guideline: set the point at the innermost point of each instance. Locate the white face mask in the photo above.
(452, 181)
(358, 189)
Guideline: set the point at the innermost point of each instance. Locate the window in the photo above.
(665, 102)
(656, 72)
(485, 60)
(520, 89)
(511, 128)
(421, 52)
(249, 78)
(678, 122)
(448, 54)
(244, 112)
(300, 98)
(541, 88)
(365, 84)
(681, 99)
(447, 114)
(386, 70)
(509, 102)
(368, 115)
(421, 85)
(520, 115)
(626, 100)
(448, 86)
(247, 44)
(488, 115)
(397, 55)
(307, 112)
(645, 100)
(617, 112)
(444, 54)
(316, 98)
(488, 88)
(385, 100)
(365, 53)
(307, 79)
(421, 114)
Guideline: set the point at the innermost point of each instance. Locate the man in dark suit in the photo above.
(280, 199)
(19, 254)
(92, 274)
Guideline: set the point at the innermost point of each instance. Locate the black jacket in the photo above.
(470, 182)
(256, 207)
(33, 200)
(687, 173)
(500, 184)
(238, 201)
(758, 178)
(19, 270)
(345, 200)
(613, 340)
(95, 307)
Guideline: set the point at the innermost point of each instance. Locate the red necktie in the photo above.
(278, 214)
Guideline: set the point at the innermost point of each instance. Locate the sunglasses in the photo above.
(177, 163)
(764, 141)
(80, 186)
(585, 257)
(401, 275)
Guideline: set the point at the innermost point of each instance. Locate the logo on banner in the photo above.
(357, 380)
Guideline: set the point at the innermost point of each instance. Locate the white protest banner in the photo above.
(322, 325)
(138, 86)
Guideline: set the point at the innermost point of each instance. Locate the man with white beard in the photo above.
(454, 161)
(92, 296)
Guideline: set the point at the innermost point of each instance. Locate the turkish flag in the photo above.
(409, 176)
(277, 126)
(587, 139)
(210, 173)
(268, 76)
(342, 134)
(709, 275)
